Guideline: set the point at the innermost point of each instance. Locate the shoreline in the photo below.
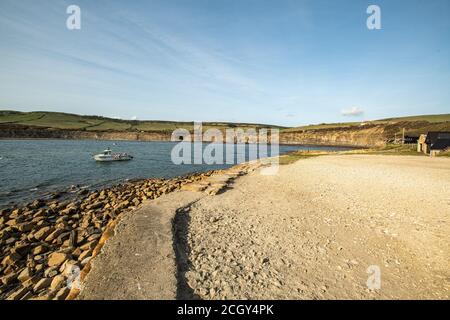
(170, 141)
(28, 193)
(43, 241)
(317, 243)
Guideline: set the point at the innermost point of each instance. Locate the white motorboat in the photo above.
(108, 155)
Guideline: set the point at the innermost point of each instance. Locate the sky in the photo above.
(276, 62)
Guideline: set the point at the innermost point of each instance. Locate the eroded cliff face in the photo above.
(8, 131)
(359, 137)
(374, 136)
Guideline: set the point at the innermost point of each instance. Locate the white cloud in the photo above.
(352, 112)
(134, 118)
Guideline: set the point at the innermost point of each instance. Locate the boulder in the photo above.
(42, 233)
(12, 222)
(52, 236)
(25, 275)
(39, 250)
(62, 237)
(89, 246)
(69, 267)
(37, 204)
(15, 213)
(95, 205)
(18, 294)
(57, 282)
(57, 258)
(8, 279)
(22, 248)
(84, 255)
(62, 293)
(31, 282)
(50, 272)
(11, 259)
(42, 284)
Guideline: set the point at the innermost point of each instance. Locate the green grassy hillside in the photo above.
(59, 120)
(412, 124)
(430, 118)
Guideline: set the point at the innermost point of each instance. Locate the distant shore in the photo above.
(204, 141)
(313, 137)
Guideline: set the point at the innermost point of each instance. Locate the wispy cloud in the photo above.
(352, 112)
(178, 60)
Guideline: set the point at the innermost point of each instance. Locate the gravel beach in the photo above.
(316, 230)
(313, 230)
(310, 232)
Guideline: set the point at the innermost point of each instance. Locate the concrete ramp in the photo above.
(139, 262)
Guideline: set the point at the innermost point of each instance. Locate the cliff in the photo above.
(15, 131)
(372, 134)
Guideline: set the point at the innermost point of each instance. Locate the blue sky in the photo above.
(280, 62)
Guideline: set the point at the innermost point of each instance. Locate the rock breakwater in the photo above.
(46, 244)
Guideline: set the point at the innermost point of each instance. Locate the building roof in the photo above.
(440, 144)
(434, 136)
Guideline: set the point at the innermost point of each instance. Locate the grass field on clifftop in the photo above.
(431, 119)
(57, 120)
(94, 123)
(413, 125)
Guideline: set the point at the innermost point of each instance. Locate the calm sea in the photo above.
(31, 169)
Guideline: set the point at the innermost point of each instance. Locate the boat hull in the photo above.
(103, 158)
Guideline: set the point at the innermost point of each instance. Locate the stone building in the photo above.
(433, 142)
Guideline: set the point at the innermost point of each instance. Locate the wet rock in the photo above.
(39, 267)
(37, 204)
(10, 241)
(15, 213)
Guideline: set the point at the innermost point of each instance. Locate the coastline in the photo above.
(40, 249)
(321, 145)
(355, 137)
(315, 240)
(44, 241)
